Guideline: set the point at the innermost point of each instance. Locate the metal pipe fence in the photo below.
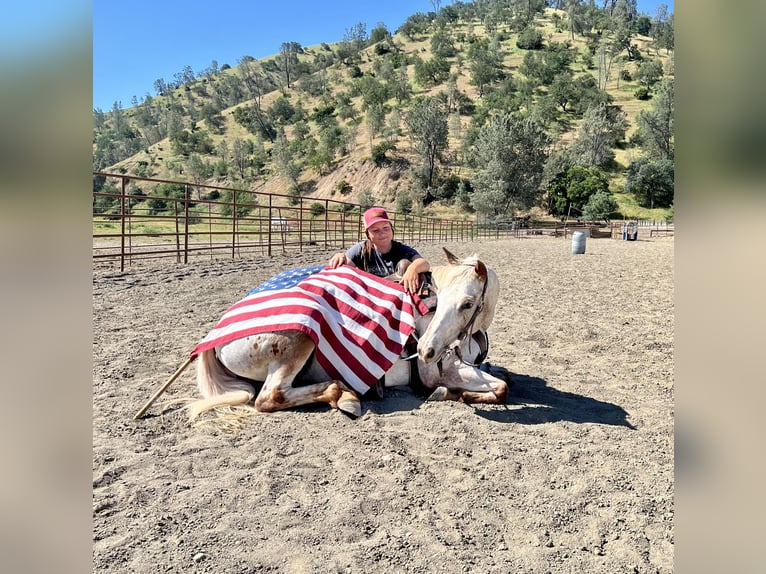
(184, 220)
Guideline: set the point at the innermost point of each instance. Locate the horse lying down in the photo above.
(294, 373)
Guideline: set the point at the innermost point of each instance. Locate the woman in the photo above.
(380, 254)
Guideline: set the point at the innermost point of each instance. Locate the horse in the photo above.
(466, 295)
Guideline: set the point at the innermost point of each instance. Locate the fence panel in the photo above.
(184, 220)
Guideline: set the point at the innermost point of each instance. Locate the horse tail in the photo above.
(217, 386)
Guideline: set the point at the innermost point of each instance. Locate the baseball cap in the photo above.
(375, 215)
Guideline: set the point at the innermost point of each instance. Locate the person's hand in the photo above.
(337, 260)
(411, 279)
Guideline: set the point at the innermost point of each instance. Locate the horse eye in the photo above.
(467, 305)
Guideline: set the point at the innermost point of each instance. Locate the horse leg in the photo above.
(279, 393)
(465, 384)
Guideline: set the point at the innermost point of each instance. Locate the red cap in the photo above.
(375, 215)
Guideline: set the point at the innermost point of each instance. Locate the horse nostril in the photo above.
(429, 353)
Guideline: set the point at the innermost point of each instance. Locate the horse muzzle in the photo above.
(431, 353)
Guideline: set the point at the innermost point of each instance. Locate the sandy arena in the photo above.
(573, 474)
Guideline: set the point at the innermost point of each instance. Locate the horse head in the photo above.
(467, 293)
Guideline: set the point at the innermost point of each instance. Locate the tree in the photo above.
(574, 187)
(354, 41)
(530, 39)
(484, 63)
(602, 128)
(651, 181)
(253, 78)
(442, 44)
(284, 160)
(562, 90)
(399, 86)
(376, 117)
(599, 207)
(427, 123)
(649, 72)
(576, 17)
(255, 121)
(198, 169)
(510, 153)
(379, 33)
(289, 52)
(366, 199)
(431, 72)
(655, 127)
(161, 87)
(316, 209)
(213, 118)
(667, 38)
(281, 111)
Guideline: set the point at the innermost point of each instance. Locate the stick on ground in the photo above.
(162, 389)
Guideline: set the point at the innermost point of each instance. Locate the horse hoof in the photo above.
(351, 408)
(439, 394)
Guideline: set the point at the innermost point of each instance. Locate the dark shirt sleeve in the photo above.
(407, 252)
(354, 253)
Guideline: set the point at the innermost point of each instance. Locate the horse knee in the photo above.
(270, 402)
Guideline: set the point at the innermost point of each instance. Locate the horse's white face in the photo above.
(460, 291)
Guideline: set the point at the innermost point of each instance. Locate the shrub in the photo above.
(404, 202)
(316, 209)
(530, 39)
(641, 93)
(344, 187)
(379, 152)
(366, 199)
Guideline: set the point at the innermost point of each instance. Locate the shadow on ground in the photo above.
(531, 401)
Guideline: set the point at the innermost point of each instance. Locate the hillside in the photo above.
(334, 103)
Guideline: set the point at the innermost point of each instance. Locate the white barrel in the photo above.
(578, 242)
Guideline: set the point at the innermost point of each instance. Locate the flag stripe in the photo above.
(359, 322)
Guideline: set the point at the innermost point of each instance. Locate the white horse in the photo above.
(467, 293)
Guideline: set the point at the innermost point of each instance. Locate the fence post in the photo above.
(123, 215)
(233, 222)
(268, 222)
(300, 225)
(326, 221)
(187, 193)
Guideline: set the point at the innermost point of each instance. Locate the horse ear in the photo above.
(481, 270)
(451, 259)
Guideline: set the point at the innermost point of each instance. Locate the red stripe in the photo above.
(354, 314)
(347, 345)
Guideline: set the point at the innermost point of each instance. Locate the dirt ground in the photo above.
(573, 474)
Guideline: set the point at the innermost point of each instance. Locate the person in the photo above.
(381, 255)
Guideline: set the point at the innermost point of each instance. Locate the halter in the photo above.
(467, 329)
(464, 332)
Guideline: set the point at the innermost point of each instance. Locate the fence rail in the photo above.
(184, 220)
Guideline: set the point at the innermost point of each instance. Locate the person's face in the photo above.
(381, 233)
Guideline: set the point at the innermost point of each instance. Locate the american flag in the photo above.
(359, 322)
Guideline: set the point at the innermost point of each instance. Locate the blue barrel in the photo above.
(578, 242)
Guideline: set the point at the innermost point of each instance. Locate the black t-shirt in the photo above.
(383, 264)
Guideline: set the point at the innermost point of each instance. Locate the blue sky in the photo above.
(137, 42)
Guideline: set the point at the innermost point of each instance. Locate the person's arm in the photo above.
(411, 277)
(344, 258)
